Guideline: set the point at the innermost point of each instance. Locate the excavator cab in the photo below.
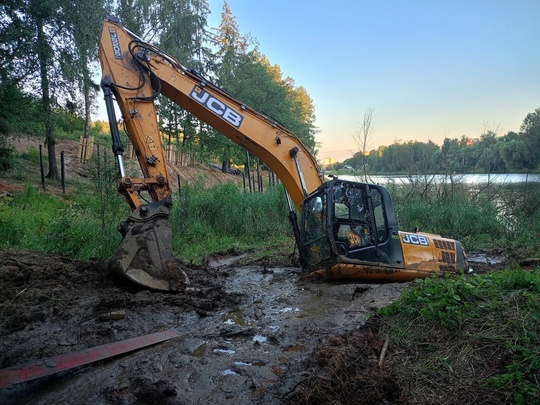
(349, 230)
(346, 220)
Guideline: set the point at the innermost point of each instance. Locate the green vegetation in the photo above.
(46, 86)
(82, 223)
(480, 216)
(477, 331)
(67, 225)
(223, 217)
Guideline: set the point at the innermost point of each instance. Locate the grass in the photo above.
(211, 220)
(69, 225)
(205, 221)
(83, 222)
(477, 334)
(504, 217)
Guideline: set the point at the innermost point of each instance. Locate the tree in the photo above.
(362, 137)
(530, 131)
(232, 53)
(42, 52)
(489, 157)
(85, 18)
(183, 33)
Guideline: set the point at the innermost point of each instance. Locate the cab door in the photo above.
(364, 223)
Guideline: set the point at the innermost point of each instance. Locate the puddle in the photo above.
(200, 351)
(288, 309)
(235, 318)
(241, 363)
(259, 339)
(483, 258)
(219, 262)
(224, 351)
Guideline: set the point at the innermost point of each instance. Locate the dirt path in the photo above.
(245, 328)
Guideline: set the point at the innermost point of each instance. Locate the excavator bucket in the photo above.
(145, 253)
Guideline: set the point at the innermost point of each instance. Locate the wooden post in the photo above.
(63, 172)
(248, 171)
(86, 146)
(41, 168)
(259, 177)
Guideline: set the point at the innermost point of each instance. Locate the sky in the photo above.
(428, 70)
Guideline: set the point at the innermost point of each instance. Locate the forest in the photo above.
(49, 71)
(514, 152)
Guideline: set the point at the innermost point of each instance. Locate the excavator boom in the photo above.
(135, 72)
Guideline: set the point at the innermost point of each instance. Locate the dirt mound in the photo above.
(42, 294)
(347, 369)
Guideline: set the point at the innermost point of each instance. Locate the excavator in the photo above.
(346, 230)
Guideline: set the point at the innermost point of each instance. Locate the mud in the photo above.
(239, 333)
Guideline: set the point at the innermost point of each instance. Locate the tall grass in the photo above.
(81, 223)
(216, 219)
(479, 216)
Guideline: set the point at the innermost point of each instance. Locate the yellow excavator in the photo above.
(346, 230)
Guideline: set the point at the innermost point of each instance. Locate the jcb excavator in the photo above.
(347, 229)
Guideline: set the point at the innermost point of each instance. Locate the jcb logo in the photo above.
(115, 43)
(216, 106)
(414, 239)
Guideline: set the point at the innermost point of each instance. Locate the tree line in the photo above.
(489, 153)
(49, 63)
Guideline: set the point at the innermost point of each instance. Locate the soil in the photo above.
(252, 332)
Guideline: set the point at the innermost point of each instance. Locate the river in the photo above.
(505, 178)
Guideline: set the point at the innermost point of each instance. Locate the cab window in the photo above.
(379, 214)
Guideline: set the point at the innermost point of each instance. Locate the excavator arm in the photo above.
(135, 73)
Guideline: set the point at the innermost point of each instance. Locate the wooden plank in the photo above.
(52, 365)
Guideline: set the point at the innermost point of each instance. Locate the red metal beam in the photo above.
(51, 365)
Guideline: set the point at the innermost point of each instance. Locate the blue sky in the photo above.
(428, 69)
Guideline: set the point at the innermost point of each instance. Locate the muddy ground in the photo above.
(247, 328)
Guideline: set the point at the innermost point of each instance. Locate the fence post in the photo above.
(259, 176)
(41, 168)
(179, 185)
(248, 171)
(63, 172)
